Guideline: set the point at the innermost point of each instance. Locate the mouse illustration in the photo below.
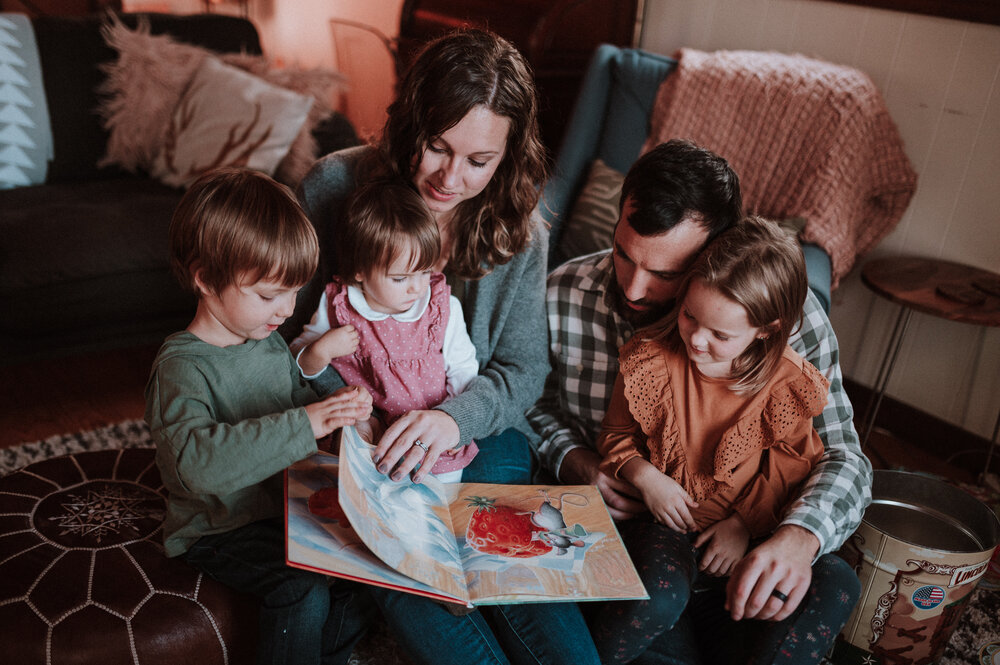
(548, 516)
(551, 520)
(560, 542)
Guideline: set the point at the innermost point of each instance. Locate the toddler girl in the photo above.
(711, 421)
(388, 322)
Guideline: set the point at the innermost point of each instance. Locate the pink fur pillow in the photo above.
(145, 83)
(228, 117)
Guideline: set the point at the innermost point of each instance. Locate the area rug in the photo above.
(976, 640)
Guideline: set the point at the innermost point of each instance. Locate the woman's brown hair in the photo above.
(449, 77)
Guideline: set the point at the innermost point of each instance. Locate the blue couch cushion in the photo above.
(635, 80)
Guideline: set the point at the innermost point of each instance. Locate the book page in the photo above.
(539, 543)
(488, 543)
(319, 535)
(407, 525)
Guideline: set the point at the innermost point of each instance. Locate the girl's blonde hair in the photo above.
(761, 267)
(385, 218)
(235, 224)
(448, 78)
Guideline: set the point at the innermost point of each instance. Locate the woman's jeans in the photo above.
(305, 618)
(540, 633)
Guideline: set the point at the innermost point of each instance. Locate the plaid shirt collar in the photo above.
(599, 282)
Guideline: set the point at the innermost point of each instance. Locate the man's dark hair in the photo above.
(678, 180)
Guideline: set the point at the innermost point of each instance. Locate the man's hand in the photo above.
(580, 466)
(783, 562)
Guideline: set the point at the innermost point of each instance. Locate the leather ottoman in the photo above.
(83, 577)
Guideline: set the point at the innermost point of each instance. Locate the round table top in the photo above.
(949, 290)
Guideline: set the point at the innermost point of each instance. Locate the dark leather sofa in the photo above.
(83, 257)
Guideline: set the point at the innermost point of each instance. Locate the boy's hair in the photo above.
(679, 180)
(235, 224)
(448, 78)
(385, 218)
(760, 266)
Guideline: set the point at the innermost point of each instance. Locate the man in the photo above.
(674, 200)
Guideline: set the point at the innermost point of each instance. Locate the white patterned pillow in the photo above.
(227, 117)
(591, 223)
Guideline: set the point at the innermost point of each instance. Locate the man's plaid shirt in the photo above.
(585, 334)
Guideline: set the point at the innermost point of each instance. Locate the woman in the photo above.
(464, 132)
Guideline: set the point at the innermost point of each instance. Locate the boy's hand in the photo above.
(334, 343)
(727, 540)
(345, 406)
(666, 499)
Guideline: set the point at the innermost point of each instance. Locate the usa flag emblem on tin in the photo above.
(927, 597)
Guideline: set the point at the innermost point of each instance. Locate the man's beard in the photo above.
(637, 319)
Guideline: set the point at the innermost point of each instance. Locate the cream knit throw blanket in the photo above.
(808, 139)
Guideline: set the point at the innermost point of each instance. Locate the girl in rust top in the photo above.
(711, 420)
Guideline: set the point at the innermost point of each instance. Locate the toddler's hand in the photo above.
(727, 540)
(332, 344)
(370, 430)
(345, 406)
(339, 342)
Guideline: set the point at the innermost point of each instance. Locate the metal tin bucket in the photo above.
(920, 551)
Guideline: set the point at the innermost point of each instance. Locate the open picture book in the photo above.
(467, 543)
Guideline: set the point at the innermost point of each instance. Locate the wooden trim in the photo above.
(937, 437)
(977, 11)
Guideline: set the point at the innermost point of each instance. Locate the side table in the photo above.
(945, 289)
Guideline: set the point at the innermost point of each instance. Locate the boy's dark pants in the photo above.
(305, 618)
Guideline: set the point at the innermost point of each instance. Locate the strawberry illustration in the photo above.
(503, 530)
(324, 503)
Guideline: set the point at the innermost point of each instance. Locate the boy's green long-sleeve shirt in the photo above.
(226, 421)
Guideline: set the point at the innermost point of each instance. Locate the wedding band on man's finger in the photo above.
(780, 596)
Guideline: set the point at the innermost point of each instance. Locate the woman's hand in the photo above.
(397, 452)
(727, 540)
(345, 406)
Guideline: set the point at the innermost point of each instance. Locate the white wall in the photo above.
(940, 81)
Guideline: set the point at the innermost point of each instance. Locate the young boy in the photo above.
(228, 412)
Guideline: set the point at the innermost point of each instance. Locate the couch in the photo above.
(610, 122)
(83, 256)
